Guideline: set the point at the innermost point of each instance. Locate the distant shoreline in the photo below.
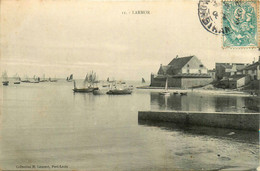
(208, 91)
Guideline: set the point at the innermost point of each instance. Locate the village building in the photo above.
(236, 81)
(225, 70)
(253, 70)
(212, 73)
(183, 72)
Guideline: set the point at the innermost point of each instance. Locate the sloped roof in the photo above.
(186, 75)
(164, 68)
(252, 66)
(240, 67)
(236, 77)
(230, 65)
(191, 75)
(178, 63)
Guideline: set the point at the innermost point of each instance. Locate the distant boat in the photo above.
(176, 92)
(91, 78)
(122, 82)
(35, 79)
(43, 79)
(165, 92)
(17, 79)
(5, 79)
(70, 78)
(84, 90)
(183, 93)
(5, 83)
(108, 80)
(120, 91)
(25, 81)
(143, 81)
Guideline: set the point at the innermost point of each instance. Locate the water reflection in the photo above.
(204, 102)
(229, 134)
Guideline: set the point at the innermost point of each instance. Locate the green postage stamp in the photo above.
(236, 20)
(240, 23)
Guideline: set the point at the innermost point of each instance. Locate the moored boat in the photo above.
(5, 79)
(183, 93)
(26, 79)
(84, 90)
(43, 79)
(165, 92)
(120, 91)
(17, 79)
(5, 83)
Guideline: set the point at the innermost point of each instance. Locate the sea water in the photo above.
(47, 126)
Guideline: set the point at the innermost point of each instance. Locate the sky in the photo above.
(57, 38)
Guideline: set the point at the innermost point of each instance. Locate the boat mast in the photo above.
(166, 84)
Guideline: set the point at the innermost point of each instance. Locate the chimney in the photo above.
(177, 56)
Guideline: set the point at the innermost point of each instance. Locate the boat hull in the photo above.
(16, 82)
(5, 83)
(165, 93)
(119, 92)
(25, 81)
(84, 90)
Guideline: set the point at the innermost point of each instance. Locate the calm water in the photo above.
(47, 124)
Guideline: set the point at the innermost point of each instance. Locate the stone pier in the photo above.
(243, 121)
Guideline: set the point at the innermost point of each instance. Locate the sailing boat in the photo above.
(165, 92)
(70, 79)
(4, 79)
(83, 90)
(35, 79)
(43, 79)
(143, 81)
(17, 79)
(90, 79)
(26, 80)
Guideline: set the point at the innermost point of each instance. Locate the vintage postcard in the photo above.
(129, 85)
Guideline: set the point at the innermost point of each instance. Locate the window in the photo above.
(188, 65)
(201, 65)
(200, 71)
(188, 71)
